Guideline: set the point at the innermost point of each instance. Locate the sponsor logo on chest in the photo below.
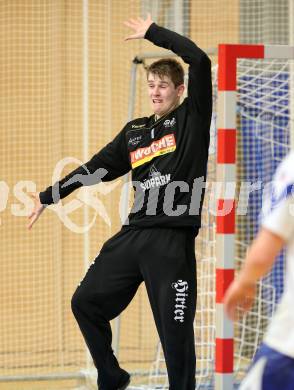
(156, 179)
(135, 140)
(138, 126)
(140, 156)
(169, 122)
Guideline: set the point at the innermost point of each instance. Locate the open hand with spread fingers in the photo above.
(38, 209)
(139, 26)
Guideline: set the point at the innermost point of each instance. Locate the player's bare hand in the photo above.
(37, 210)
(239, 295)
(139, 26)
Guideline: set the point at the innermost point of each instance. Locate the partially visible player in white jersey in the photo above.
(273, 365)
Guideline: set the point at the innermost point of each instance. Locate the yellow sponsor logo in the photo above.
(164, 145)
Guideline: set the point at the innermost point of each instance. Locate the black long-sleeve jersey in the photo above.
(167, 157)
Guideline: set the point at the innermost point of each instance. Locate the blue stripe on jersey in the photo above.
(278, 373)
(287, 192)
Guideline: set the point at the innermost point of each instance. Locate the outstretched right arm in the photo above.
(108, 164)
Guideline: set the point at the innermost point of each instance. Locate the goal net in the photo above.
(265, 118)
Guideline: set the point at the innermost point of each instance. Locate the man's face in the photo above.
(163, 94)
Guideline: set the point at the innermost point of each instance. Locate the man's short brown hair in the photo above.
(168, 67)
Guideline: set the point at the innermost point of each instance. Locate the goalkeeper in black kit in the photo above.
(167, 154)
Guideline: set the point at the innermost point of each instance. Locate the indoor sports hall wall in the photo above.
(64, 92)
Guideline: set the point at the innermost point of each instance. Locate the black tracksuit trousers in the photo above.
(164, 259)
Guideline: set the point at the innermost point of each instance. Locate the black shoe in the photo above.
(124, 382)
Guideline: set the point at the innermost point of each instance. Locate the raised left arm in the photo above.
(199, 86)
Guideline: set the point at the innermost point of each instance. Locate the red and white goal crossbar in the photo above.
(226, 172)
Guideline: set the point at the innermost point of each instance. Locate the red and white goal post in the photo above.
(228, 54)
